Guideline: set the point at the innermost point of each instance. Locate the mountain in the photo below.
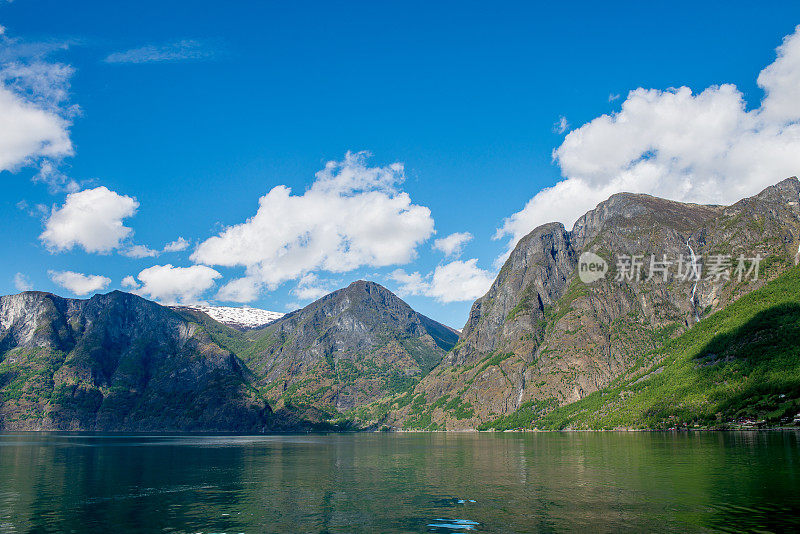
(568, 336)
(240, 318)
(541, 338)
(345, 350)
(118, 362)
(738, 368)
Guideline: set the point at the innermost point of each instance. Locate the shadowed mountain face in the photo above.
(117, 362)
(345, 350)
(542, 338)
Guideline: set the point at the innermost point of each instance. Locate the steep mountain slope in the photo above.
(541, 337)
(117, 362)
(345, 350)
(737, 367)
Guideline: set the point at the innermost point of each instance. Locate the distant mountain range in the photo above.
(118, 362)
(544, 348)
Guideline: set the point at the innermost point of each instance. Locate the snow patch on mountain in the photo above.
(244, 317)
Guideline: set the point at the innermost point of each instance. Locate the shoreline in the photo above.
(398, 431)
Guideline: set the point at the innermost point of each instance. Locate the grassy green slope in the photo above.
(741, 363)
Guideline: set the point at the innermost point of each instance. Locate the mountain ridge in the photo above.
(537, 342)
(117, 361)
(542, 336)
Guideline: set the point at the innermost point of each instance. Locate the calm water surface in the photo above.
(550, 482)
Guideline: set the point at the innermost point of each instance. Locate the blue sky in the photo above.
(198, 109)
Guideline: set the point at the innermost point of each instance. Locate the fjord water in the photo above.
(433, 482)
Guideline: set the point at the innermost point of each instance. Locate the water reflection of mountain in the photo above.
(400, 482)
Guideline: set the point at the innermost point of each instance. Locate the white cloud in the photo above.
(55, 179)
(187, 49)
(613, 96)
(310, 292)
(34, 110)
(781, 83)
(173, 285)
(410, 283)
(456, 281)
(138, 251)
(79, 284)
(91, 219)
(704, 147)
(22, 282)
(43, 83)
(561, 126)
(39, 211)
(453, 244)
(351, 216)
(177, 245)
(130, 282)
(143, 251)
(28, 131)
(241, 290)
(309, 287)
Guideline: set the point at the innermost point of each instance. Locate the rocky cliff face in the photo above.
(117, 362)
(541, 338)
(345, 350)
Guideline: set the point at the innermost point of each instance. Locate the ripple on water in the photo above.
(452, 501)
(452, 525)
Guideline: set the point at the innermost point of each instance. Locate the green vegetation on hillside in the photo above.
(740, 366)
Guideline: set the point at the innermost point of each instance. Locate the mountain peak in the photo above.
(635, 211)
(786, 191)
(366, 285)
(350, 347)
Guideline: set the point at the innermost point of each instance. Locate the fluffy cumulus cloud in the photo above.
(91, 219)
(675, 143)
(453, 244)
(456, 281)
(78, 283)
(27, 132)
(351, 216)
(173, 285)
(35, 115)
